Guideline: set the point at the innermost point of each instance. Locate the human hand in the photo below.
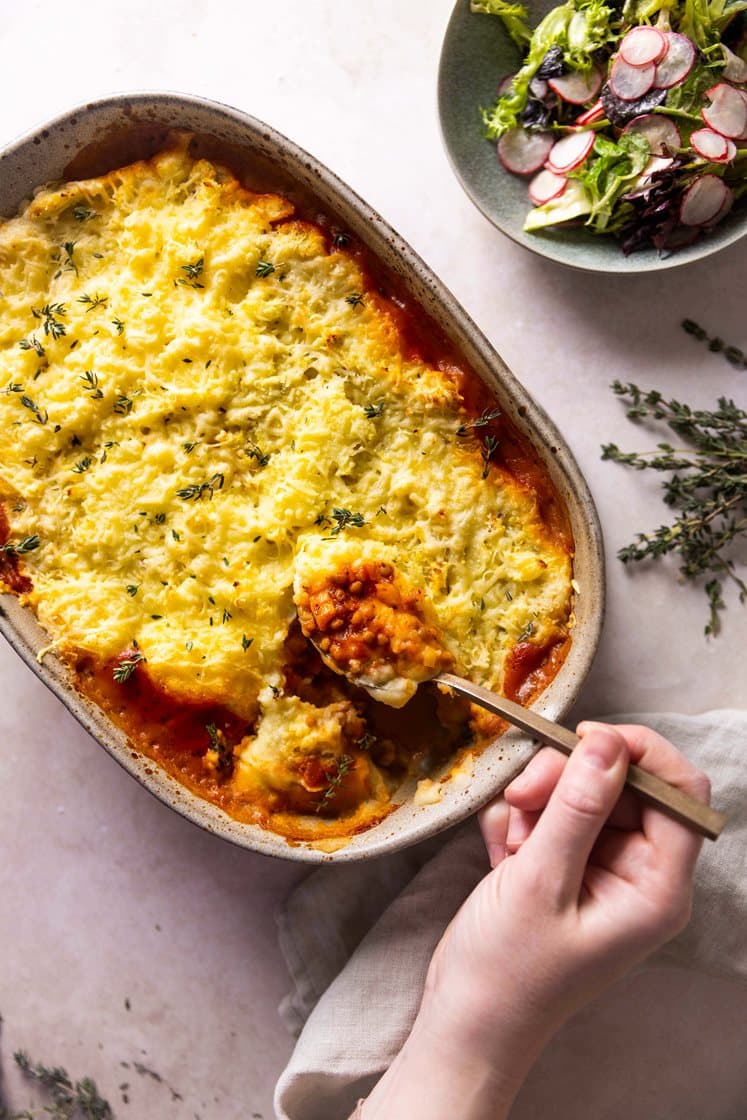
(587, 880)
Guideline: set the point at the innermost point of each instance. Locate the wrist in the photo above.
(437, 1077)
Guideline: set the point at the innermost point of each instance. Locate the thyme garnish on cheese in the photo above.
(32, 343)
(197, 491)
(83, 214)
(192, 273)
(355, 299)
(93, 301)
(50, 316)
(91, 382)
(373, 410)
(40, 414)
(19, 548)
(265, 268)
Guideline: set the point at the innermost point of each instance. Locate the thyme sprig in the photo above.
(344, 765)
(18, 548)
(199, 490)
(343, 519)
(192, 273)
(733, 354)
(49, 317)
(707, 484)
(221, 749)
(70, 1100)
(126, 666)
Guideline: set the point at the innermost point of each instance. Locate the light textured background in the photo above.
(129, 936)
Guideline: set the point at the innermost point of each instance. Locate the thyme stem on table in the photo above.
(707, 484)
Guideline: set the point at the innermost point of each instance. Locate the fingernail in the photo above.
(601, 748)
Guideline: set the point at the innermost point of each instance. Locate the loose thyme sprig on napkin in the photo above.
(708, 485)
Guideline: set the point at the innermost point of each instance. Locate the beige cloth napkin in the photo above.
(358, 938)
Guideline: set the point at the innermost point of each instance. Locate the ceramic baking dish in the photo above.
(54, 152)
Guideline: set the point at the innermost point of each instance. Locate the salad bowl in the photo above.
(477, 54)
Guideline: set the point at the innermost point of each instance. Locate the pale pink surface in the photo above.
(92, 865)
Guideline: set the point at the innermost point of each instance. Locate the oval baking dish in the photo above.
(98, 137)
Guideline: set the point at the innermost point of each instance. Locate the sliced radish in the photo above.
(643, 45)
(592, 114)
(727, 112)
(538, 88)
(735, 69)
(676, 62)
(662, 134)
(577, 88)
(731, 151)
(570, 151)
(505, 84)
(709, 144)
(631, 82)
(703, 200)
(523, 152)
(725, 207)
(545, 186)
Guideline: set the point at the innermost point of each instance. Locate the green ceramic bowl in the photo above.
(476, 54)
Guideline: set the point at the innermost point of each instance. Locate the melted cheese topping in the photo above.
(198, 392)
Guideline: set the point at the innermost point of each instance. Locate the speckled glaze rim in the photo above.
(41, 156)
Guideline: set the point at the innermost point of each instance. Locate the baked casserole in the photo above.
(217, 414)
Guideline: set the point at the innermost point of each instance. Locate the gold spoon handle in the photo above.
(701, 818)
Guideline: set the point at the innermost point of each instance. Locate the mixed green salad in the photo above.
(627, 115)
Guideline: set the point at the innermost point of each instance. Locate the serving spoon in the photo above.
(675, 802)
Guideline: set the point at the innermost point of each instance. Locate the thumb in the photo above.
(578, 808)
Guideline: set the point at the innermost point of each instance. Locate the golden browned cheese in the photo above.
(205, 402)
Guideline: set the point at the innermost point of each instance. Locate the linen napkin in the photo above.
(357, 938)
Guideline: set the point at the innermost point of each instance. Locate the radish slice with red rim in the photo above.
(570, 151)
(631, 82)
(538, 88)
(735, 69)
(676, 62)
(725, 208)
(727, 112)
(662, 133)
(594, 113)
(643, 45)
(523, 152)
(703, 201)
(709, 144)
(546, 186)
(577, 88)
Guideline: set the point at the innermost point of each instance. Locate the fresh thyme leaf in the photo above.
(132, 589)
(373, 410)
(123, 405)
(93, 301)
(126, 666)
(82, 465)
(489, 448)
(192, 272)
(70, 1100)
(716, 345)
(40, 414)
(118, 324)
(197, 491)
(344, 519)
(13, 387)
(365, 742)
(227, 616)
(218, 744)
(70, 265)
(344, 765)
(32, 343)
(18, 548)
(707, 484)
(256, 453)
(83, 214)
(91, 381)
(189, 447)
(265, 268)
(50, 316)
(246, 642)
(355, 299)
(485, 418)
